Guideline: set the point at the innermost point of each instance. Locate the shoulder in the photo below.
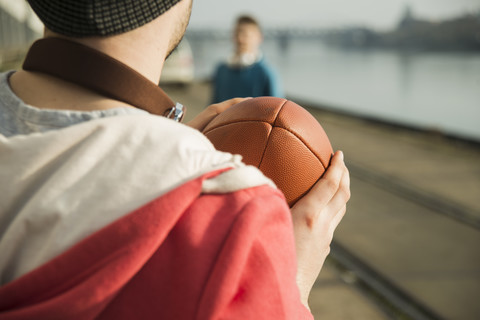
(111, 166)
(221, 71)
(265, 66)
(149, 128)
(263, 63)
(222, 66)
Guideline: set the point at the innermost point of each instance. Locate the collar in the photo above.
(245, 60)
(101, 73)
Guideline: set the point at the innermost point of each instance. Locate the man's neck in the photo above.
(137, 49)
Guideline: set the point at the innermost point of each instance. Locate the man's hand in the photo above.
(209, 113)
(315, 218)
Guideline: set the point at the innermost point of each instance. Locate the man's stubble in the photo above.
(180, 29)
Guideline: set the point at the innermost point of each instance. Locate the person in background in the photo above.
(108, 211)
(246, 73)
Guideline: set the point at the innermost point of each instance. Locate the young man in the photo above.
(110, 212)
(246, 74)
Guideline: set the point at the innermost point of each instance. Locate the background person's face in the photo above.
(247, 38)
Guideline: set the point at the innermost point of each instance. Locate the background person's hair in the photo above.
(247, 19)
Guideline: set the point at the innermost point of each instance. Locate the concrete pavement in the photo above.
(414, 213)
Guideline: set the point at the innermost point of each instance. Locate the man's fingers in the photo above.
(222, 106)
(210, 112)
(326, 188)
(342, 194)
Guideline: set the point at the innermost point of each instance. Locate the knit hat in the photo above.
(82, 18)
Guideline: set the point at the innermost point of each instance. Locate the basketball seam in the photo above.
(318, 159)
(298, 137)
(306, 145)
(232, 122)
(280, 127)
(270, 133)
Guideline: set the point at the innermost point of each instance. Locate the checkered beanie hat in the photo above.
(82, 18)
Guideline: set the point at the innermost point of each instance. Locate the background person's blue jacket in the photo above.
(255, 80)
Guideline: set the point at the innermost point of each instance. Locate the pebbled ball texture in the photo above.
(277, 136)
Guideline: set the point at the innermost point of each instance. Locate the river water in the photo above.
(427, 90)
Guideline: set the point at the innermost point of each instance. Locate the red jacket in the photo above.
(185, 255)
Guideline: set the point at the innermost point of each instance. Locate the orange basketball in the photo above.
(277, 136)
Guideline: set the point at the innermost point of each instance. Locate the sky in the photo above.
(377, 14)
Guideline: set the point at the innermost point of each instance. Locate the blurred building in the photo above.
(461, 33)
(457, 33)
